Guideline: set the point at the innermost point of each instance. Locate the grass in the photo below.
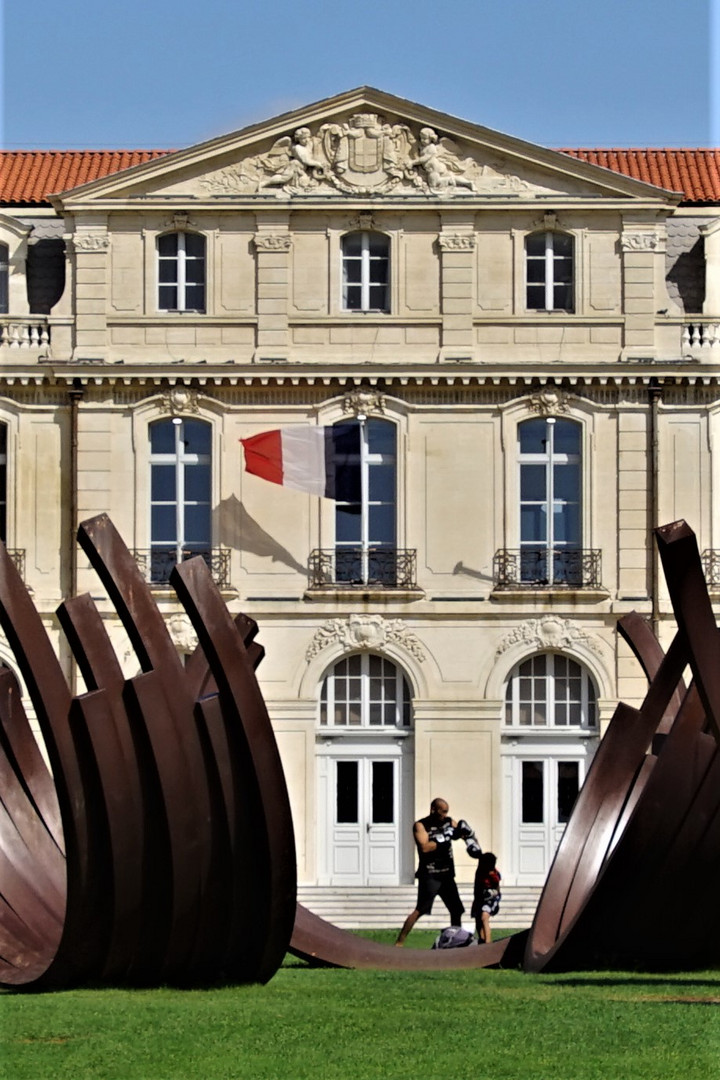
(344, 1025)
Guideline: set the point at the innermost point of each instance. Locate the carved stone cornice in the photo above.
(639, 241)
(365, 632)
(549, 632)
(272, 241)
(457, 241)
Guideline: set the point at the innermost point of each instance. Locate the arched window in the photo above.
(550, 459)
(550, 691)
(549, 259)
(181, 272)
(365, 691)
(3, 482)
(4, 280)
(365, 477)
(180, 499)
(365, 272)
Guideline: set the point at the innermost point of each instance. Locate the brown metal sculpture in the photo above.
(160, 848)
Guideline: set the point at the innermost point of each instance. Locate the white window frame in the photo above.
(550, 259)
(366, 264)
(548, 701)
(330, 701)
(550, 459)
(367, 461)
(179, 459)
(181, 261)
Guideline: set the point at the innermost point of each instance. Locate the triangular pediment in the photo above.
(362, 144)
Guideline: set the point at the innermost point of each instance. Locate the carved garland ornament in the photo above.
(549, 632)
(272, 241)
(364, 403)
(457, 241)
(365, 632)
(179, 400)
(90, 241)
(639, 241)
(550, 402)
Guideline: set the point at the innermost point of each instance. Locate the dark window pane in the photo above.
(195, 245)
(162, 437)
(533, 437)
(3, 438)
(163, 527)
(197, 525)
(196, 436)
(567, 437)
(381, 437)
(163, 483)
(347, 480)
(167, 300)
(535, 244)
(536, 297)
(533, 524)
(536, 272)
(533, 482)
(382, 483)
(562, 298)
(352, 244)
(353, 271)
(378, 245)
(562, 244)
(197, 483)
(562, 272)
(566, 524)
(383, 776)
(378, 297)
(532, 792)
(167, 271)
(346, 439)
(382, 525)
(352, 298)
(567, 789)
(346, 793)
(347, 524)
(168, 244)
(567, 482)
(195, 298)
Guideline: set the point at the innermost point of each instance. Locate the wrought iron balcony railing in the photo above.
(711, 567)
(156, 563)
(357, 567)
(538, 568)
(17, 556)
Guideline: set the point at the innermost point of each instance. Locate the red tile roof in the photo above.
(694, 172)
(30, 176)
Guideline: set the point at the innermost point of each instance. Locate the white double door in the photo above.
(541, 785)
(363, 816)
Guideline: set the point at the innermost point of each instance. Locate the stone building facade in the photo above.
(520, 346)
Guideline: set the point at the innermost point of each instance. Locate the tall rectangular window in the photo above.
(366, 264)
(365, 478)
(181, 272)
(549, 272)
(180, 493)
(550, 501)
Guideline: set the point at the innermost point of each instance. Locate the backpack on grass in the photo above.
(453, 937)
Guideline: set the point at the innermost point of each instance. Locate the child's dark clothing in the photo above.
(487, 894)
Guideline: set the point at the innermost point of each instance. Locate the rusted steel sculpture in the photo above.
(165, 832)
(161, 847)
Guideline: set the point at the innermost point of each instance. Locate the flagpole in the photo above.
(364, 492)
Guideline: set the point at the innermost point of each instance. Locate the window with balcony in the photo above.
(551, 691)
(365, 551)
(365, 691)
(181, 272)
(549, 269)
(365, 272)
(180, 494)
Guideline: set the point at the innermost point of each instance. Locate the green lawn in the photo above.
(343, 1025)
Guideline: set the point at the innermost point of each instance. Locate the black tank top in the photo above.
(439, 861)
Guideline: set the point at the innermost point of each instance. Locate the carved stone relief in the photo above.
(180, 399)
(365, 632)
(272, 241)
(550, 401)
(639, 241)
(457, 241)
(549, 632)
(364, 403)
(182, 633)
(366, 155)
(90, 241)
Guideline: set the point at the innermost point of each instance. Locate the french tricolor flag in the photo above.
(302, 457)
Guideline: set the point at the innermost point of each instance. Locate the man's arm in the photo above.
(422, 838)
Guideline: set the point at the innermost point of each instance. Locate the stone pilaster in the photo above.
(272, 245)
(641, 247)
(457, 253)
(90, 244)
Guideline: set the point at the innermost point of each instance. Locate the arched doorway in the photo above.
(549, 737)
(365, 773)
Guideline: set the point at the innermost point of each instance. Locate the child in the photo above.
(487, 895)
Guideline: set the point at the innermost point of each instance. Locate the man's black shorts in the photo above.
(442, 885)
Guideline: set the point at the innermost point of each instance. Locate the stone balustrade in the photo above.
(24, 332)
(701, 339)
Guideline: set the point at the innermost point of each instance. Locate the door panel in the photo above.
(541, 791)
(364, 831)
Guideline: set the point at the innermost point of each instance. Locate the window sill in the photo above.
(363, 733)
(508, 594)
(367, 593)
(515, 735)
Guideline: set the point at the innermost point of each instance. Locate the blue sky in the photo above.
(168, 73)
